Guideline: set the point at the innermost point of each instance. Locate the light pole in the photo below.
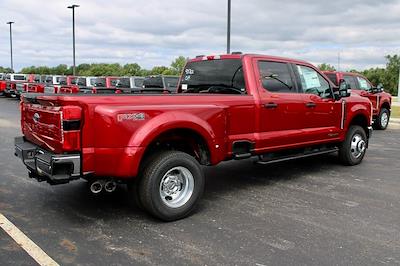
(12, 63)
(228, 39)
(73, 36)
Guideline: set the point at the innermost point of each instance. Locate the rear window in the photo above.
(214, 76)
(19, 77)
(153, 82)
(171, 82)
(80, 82)
(63, 81)
(122, 83)
(351, 81)
(98, 82)
(332, 78)
(139, 82)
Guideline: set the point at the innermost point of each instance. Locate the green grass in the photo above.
(395, 111)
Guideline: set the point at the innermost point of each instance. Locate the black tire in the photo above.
(150, 185)
(380, 122)
(346, 151)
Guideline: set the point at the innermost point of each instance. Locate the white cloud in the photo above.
(152, 32)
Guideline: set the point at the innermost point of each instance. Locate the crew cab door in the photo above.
(322, 113)
(366, 91)
(280, 105)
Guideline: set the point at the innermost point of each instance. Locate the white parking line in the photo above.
(24, 242)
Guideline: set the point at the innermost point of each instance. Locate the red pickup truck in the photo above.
(381, 100)
(85, 85)
(227, 107)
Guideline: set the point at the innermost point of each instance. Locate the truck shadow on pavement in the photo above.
(227, 178)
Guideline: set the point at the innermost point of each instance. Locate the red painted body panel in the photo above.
(3, 85)
(35, 88)
(117, 129)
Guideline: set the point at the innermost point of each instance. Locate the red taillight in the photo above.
(71, 117)
(94, 90)
(72, 141)
(71, 112)
(118, 91)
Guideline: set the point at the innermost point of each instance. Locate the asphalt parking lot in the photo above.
(308, 212)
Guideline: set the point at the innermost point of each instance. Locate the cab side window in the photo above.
(276, 77)
(351, 81)
(364, 84)
(313, 83)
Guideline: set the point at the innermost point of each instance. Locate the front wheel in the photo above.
(352, 150)
(382, 120)
(171, 185)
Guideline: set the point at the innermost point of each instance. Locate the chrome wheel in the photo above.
(358, 146)
(176, 187)
(384, 119)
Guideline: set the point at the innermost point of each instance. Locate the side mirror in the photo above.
(378, 88)
(344, 89)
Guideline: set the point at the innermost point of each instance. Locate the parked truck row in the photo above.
(226, 107)
(13, 85)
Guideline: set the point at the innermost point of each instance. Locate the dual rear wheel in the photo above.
(171, 184)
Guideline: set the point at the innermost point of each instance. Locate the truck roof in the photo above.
(240, 56)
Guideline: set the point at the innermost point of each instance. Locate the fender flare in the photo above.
(170, 121)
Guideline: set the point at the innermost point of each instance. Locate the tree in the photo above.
(5, 70)
(391, 78)
(131, 70)
(178, 64)
(82, 68)
(158, 70)
(326, 67)
(61, 69)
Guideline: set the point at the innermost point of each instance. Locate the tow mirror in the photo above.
(378, 88)
(344, 89)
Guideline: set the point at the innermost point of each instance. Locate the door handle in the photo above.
(311, 105)
(271, 105)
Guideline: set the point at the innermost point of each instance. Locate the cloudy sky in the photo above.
(154, 32)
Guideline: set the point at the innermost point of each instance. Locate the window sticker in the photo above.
(363, 83)
(189, 71)
(311, 78)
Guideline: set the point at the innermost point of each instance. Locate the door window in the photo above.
(276, 77)
(364, 84)
(351, 81)
(313, 83)
(333, 78)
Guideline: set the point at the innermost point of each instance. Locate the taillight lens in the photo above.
(71, 126)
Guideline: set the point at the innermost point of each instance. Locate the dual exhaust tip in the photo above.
(98, 186)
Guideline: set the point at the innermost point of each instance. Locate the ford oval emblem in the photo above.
(36, 117)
